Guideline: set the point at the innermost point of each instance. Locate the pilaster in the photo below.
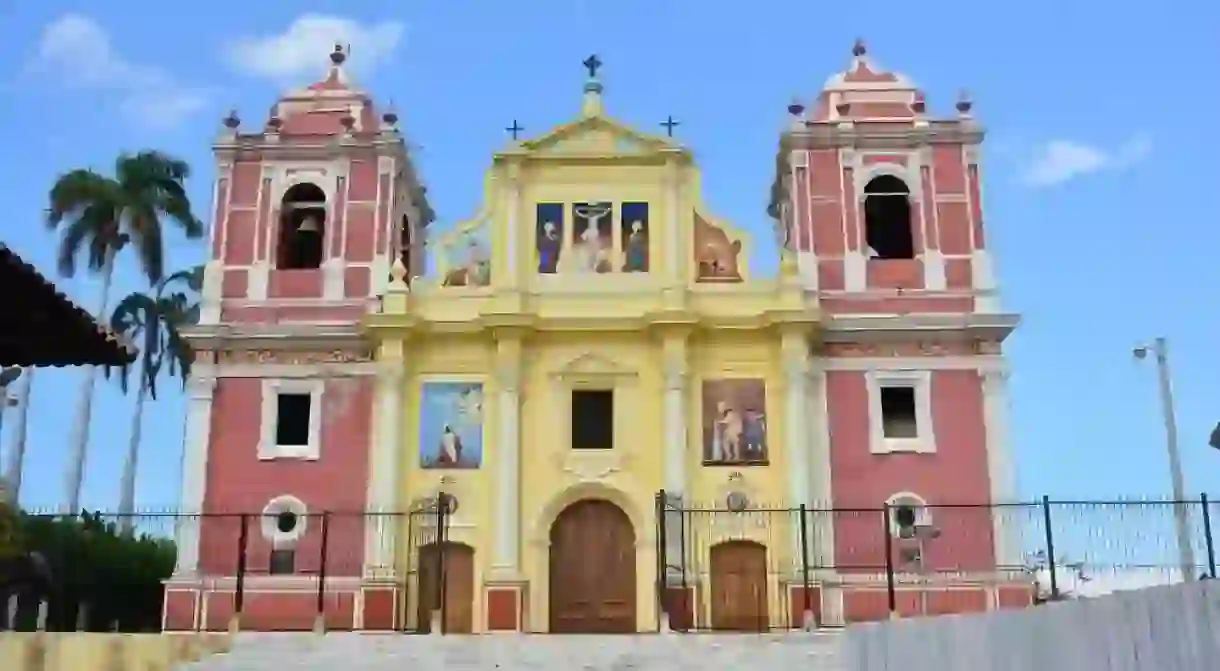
(794, 355)
(201, 390)
(512, 205)
(674, 230)
(507, 550)
(385, 450)
(999, 464)
(821, 484)
(676, 436)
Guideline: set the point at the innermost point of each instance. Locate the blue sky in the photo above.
(1093, 187)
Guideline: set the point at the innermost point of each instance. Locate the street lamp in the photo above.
(1186, 552)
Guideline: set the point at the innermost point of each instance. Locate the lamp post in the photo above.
(1186, 552)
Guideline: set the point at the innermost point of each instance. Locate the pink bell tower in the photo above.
(879, 200)
(311, 210)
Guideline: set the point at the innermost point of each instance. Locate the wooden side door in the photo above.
(458, 587)
(739, 586)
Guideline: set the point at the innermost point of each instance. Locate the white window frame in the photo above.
(267, 447)
(921, 382)
(923, 514)
(284, 503)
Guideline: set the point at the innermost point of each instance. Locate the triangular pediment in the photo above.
(595, 136)
(590, 364)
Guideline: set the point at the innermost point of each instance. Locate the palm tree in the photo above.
(99, 216)
(153, 320)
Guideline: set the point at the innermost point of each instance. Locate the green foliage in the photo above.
(100, 215)
(11, 540)
(117, 576)
(153, 320)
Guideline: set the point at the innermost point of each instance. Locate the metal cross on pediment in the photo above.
(670, 123)
(515, 129)
(592, 64)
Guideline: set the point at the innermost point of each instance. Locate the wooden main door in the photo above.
(458, 587)
(739, 586)
(592, 576)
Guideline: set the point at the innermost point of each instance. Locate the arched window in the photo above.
(302, 228)
(909, 515)
(887, 218)
(405, 235)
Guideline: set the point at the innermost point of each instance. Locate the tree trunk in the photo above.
(127, 487)
(16, 457)
(78, 439)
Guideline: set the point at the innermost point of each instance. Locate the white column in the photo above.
(821, 492)
(1000, 466)
(197, 434)
(384, 450)
(508, 486)
(796, 428)
(676, 436)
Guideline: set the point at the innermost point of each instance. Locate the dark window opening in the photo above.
(898, 417)
(286, 522)
(302, 228)
(887, 219)
(593, 419)
(904, 517)
(292, 419)
(282, 562)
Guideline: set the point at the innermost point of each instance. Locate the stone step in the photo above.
(646, 652)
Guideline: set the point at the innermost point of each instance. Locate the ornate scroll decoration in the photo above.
(292, 357)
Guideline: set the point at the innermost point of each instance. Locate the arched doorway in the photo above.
(739, 586)
(592, 570)
(455, 562)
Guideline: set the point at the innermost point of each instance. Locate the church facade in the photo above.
(592, 417)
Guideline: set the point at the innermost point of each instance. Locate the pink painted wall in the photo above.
(955, 474)
(239, 482)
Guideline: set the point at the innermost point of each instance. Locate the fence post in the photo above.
(662, 563)
(1208, 539)
(319, 623)
(891, 591)
(239, 585)
(1050, 547)
(807, 614)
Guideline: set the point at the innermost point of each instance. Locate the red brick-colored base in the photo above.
(381, 607)
(797, 605)
(871, 604)
(680, 604)
(503, 605)
(263, 609)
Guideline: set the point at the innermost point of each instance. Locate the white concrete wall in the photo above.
(1175, 628)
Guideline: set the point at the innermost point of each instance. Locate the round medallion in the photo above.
(737, 501)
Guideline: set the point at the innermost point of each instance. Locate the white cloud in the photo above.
(300, 50)
(1060, 161)
(81, 54)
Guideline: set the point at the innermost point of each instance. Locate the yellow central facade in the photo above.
(591, 266)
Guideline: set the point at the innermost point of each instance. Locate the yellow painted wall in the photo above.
(588, 329)
(104, 652)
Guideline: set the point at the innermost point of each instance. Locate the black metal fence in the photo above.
(1064, 548)
(1061, 549)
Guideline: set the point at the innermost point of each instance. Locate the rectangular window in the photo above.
(899, 418)
(292, 419)
(593, 419)
(282, 562)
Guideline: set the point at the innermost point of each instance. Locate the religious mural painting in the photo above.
(468, 258)
(735, 421)
(593, 244)
(549, 240)
(717, 258)
(634, 218)
(451, 425)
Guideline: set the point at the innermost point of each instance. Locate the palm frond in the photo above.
(145, 229)
(76, 190)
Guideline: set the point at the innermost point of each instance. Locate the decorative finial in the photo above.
(232, 121)
(274, 124)
(398, 274)
(670, 123)
(390, 116)
(796, 107)
(339, 55)
(348, 120)
(964, 103)
(859, 49)
(592, 64)
(919, 106)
